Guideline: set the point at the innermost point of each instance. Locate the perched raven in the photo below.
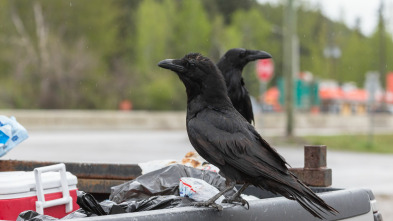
(231, 66)
(224, 138)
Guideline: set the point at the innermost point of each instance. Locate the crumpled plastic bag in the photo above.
(156, 202)
(31, 215)
(12, 133)
(164, 181)
(158, 189)
(198, 190)
(92, 208)
(89, 204)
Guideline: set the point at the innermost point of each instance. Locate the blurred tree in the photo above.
(217, 32)
(153, 31)
(381, 48)
(355, 60)
(274, 15)
(57, 67)
(192, 28)
(313, 37)
(50, 68)
(228, 7)
(154, 41)
(374, 53)
(95, 23)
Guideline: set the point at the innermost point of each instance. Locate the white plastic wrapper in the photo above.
(197, 189)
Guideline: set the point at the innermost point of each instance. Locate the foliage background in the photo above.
(83, 55)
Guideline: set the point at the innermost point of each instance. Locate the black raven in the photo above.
(231, 65)
(224, 138)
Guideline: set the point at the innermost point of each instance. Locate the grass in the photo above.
(361, 143)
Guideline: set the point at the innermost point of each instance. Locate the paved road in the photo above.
(373, 171)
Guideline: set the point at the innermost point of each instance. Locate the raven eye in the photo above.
(242, 54)
(191, 64)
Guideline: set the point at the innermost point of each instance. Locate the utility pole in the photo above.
(382, 43)
(290, 54)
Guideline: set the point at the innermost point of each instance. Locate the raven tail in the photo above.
(306, 198)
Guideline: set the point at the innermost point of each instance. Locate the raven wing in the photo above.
(225, 137)
(241, 100)
(247, 111)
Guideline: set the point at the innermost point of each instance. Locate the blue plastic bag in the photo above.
(12, 133)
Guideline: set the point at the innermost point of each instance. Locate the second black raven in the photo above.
(231, 65)
(224, 138)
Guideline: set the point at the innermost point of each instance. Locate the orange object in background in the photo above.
(271, 97)
(338, 94)
(356, 95)
(331, 93)
(125, 105)
(389, 88)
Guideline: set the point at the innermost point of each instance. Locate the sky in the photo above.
(350, 10)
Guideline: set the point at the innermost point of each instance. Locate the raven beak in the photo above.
(169, 64)
(255, 55)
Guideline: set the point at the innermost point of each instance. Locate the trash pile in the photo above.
(169, 186)
(164, 181)
(163, 184)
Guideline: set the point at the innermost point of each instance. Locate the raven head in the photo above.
(192, 67)
(199, 75)
(239, 57)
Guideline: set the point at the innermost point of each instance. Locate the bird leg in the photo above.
(237, 198)
(211, 201)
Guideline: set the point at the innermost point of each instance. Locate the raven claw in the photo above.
(238, 200)
(207, 204)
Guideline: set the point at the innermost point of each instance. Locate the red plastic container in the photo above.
(18, 193)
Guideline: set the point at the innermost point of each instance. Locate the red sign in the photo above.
(265, 69)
